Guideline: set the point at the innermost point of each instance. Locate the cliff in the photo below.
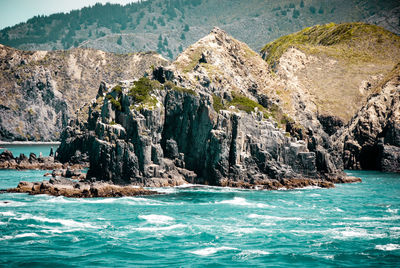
(211, 117)
(371, 140)
(41, 91)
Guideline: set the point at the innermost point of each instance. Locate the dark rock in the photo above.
(330, 124)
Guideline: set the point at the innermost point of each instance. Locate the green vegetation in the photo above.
(243, 103)
(141, 90)
(117, 89)
(217, 103)
(115, 103)
(356, 42)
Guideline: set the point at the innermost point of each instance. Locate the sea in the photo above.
(351, 225)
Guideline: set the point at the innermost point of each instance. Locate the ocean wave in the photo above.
(156, 219)
(9, 237)
(274, 218)
(211, 250)
(162, 228)
(7, 214)
(389, 218)
(118, 200)
(239, 201)
(355, 233)
(394, 211)
(388, 247)
(65, 222)
(10, 203)
(242, 230)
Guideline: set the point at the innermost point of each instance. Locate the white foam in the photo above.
(239, 201)
(156, 219)
(68, 223)
(257, 252)
(9, 203)
(7, 214)
(276, 218)
(390, 218)
(163, 228)
(8, 237)
(356, 233)
(338, 210)
(388, 247)
(394, 211)
(246, 254)
(211, 250)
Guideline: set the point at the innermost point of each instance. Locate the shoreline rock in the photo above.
(22, 162)
(70, 188)
(60, 186)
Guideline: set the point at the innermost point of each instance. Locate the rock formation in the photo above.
(371, 140)
(211, 118)
(69, 188)
(41, 91)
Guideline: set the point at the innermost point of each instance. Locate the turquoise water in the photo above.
(353, 225)
(18, 149)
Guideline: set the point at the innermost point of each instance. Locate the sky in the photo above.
(15, 11)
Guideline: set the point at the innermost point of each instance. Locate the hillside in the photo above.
(371, 140)
(168, 27)
(333, 66)
(40, 91)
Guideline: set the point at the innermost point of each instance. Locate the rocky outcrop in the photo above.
(371, 140)
(199, 122)
(70, 188)
(8, 161)
(41, 91)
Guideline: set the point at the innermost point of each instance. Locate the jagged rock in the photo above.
(172, 130)
(8, 161)
(49, 88)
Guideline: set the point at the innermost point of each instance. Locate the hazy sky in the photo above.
(16, 11)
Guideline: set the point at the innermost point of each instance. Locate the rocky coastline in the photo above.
(22, 162)
(76, 189)
(216, 116)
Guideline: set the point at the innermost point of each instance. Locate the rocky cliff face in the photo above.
(371, 140)
(40, 91)
(327, 80)
(211, 117)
